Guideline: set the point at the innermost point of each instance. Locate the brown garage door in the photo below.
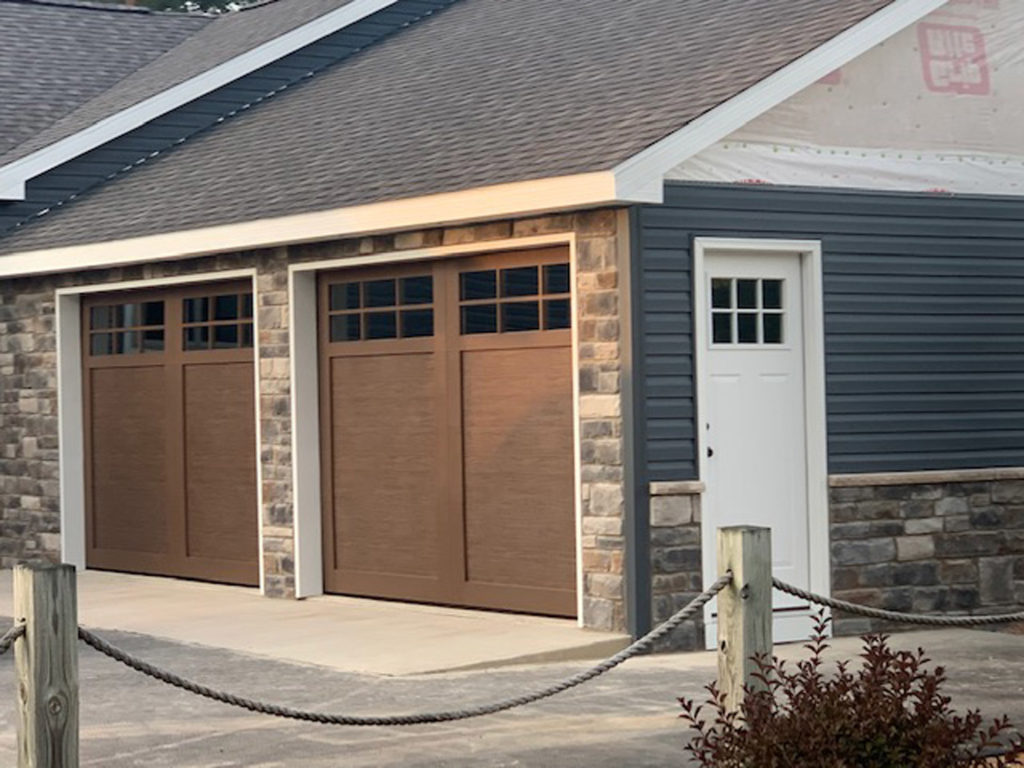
(170, 442)
(446, 402)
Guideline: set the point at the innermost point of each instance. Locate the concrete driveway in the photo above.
(626, 718)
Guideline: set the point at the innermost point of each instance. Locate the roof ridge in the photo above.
(94, 5)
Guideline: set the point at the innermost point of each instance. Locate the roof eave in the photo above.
(500, 201)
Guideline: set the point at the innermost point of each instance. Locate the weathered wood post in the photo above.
(744, 608)
(46, 664)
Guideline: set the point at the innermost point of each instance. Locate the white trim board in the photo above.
(70, 407)
(810, 253)
(305, 397)
(14, 175)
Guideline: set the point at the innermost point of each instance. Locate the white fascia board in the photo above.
(14, 175)
(648, 167)
(501, 201)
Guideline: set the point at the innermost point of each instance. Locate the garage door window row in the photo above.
(126, 329)
(370, 310)
(516, 299)
(208, 322)
(217, 322)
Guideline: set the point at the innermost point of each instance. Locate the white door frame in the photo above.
(819, 560)
(70, 404)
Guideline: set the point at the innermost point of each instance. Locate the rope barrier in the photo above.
(8, 638)
(642, 645)
(902, 618)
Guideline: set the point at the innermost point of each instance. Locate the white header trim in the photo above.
(658, 159)
(14, 175)
(499, 201)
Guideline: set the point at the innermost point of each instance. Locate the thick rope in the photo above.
(640, 646)
(903, 618)
(8, 638)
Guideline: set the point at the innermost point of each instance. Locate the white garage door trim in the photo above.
(305, 395)
(70, 414)
(809, 252)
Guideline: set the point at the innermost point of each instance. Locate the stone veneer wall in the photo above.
(676, 576)
(29, 492)
(955, 547)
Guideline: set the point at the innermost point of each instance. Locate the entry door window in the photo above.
(747, 311)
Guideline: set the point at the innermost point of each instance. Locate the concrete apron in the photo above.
(346, 634)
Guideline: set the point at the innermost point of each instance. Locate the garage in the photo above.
(170, 448)
(447, 432)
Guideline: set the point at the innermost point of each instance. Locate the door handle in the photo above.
(711, 452)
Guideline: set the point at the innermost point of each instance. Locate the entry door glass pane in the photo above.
(747, 311)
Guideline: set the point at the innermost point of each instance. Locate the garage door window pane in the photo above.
(379, 293)
(102, 344)
(225, 308)
(418, 322)
(247, 335)
(521, 281)
(381, 325)
(345, 328)
(418, 290)
(152, 341)
(556, 278)
(225, 336)
(479, 285)
(345, 296)
(197, 338)
(482, 318)
(196, 310)
(556, 314)
(520, 316)
(246, 305)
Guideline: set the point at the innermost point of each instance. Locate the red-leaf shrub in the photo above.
(888, 714)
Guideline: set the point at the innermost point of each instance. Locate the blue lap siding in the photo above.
(924, 322)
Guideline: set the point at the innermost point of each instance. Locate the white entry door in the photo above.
(754, 415)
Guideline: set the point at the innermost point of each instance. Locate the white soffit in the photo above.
(937, 108)
(635, 175)
(14, 175)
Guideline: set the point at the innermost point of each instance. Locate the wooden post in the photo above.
(46, 664)
(744, 608)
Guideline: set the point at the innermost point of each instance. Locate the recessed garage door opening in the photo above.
(170, 432)
(447, 432)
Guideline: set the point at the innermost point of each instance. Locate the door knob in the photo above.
(711, 452)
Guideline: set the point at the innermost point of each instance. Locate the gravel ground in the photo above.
(626, 718)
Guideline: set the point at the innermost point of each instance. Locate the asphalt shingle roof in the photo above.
(210, 42)
(486, 92)
(55, 56)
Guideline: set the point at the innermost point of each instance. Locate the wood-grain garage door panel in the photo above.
(518, 439)
(384, 434)
(220, 456)
(129, 459)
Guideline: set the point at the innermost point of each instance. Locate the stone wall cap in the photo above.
(926, 478)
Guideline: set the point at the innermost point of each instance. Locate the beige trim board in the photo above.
(676, 488)
(926, 478)
(500, 201)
